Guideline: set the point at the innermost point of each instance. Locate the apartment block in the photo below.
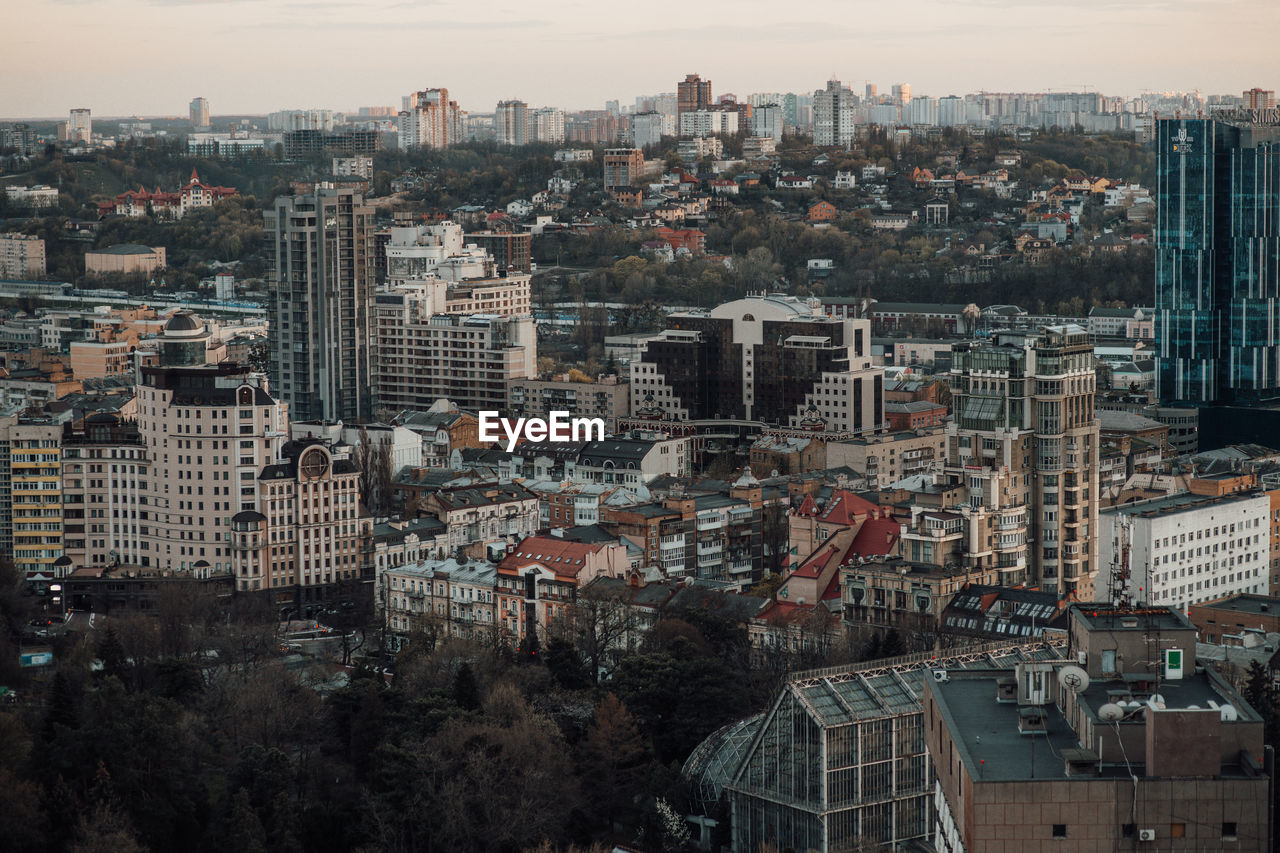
(441, 598)
(21, 256)
(35, 522)
(623, 167)
(891, 457)
(322, 278)
(1024, 441)
(700, 123)
(607, 397)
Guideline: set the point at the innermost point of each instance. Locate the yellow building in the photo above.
(35, 485)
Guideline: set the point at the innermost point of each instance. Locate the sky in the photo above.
(151, 57)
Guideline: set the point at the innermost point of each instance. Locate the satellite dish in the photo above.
(1111, 712)
(1073, 678)
(1229, 713)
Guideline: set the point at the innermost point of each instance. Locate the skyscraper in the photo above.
(199, 112)
(1217, 246)
(511, 123)
(322, 280)
(833, 112)
(693, 93)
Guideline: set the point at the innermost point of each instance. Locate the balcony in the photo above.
(712, 523)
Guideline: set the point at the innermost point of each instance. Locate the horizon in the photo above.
(550, 56)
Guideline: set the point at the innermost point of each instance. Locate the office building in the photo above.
(80, 126)
(833, 115)
(1186, 549)
(1129, 747)
(1024, 443)
(692, 93)
(771, 359)
(511, 123)
(21, 256)
(322, 278)
(1217, 247)
(199, 112)
(623, 167)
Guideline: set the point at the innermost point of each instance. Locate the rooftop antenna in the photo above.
(1118, 590)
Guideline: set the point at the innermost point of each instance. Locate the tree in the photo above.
(612, 759)
(242, 829)
(465, 690)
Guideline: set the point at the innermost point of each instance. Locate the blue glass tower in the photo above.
(1217, 242)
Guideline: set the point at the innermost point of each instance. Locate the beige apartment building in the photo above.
(888, 458)
(1024, 442)
(21, 256)
(607, 398)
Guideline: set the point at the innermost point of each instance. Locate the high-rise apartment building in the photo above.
(31, 468)
(773, 359)
(21, 256)
(199, 112)
(511, 123)
(80, 126)
(1258, 99)
(1024, 443)
(902, 93)
(701, 123)
(1217, 247)
(623, 167)
(429, 120)
(322, 278)
(693, 93)
(833, 115)
(648, 128)
(767, 120)
(546, 124)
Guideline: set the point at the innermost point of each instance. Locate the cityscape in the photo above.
(861, 467)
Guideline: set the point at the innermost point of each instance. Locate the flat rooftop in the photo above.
(1102, 617)
(1183, 502)
(1254, 605)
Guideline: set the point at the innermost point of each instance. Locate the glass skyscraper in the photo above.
(1217, 242)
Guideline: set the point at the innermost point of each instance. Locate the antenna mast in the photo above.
(1119, 585)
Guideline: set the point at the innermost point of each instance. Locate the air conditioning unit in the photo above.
(1146, 835)
(940, 675)
(1082, 657)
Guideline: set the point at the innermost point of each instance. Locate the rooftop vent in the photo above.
(1032, 720)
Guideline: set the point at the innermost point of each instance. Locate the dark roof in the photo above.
(589, 533)
(123, 249)
(630, 449)
(1254, 605)
(183, 321)
(728, 605)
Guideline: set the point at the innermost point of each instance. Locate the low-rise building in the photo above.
(124, 259)
(607, 397)
(890, 457)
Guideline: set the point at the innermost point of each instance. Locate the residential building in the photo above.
(322, 278)
(470, 359)
(1025, 441)
(623, 167)
(511, 123)
(166, 205)
(648, 128)
(34, 197)
(1097, 755)
(80, 127)
(767, 121)
(484, 517)
(607, 398)
(353, 167)
(32, 510)
(700, 123)
(21, 256)
(692, 93)
(1216, 184)
(763, 358)
(1218, 620)
(1186, 549)
(546, 124)
(538, 582)
(124, 259)
(429, 119)
(511, 250)
(833, 115)
(632, 461)
(891, 457)
(440, 598)
(199, 113)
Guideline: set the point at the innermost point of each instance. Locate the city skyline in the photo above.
(1164, 46)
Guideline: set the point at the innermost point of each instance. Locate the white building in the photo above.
(649, 128)
(1186, 548)
(701, 123)
(37, 196)
(353, 167)
(511, 123)
(406, 445)
(833, 115)
(80, 126)
(546, 124)
(766, 120)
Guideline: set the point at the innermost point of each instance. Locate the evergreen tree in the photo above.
(465, 690)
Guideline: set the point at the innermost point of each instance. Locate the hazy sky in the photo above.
(150, 57)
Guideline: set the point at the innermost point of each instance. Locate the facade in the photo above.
(511, 123)
(546, 124)
(889, 458)
(623, 167)
(833, 115)
(767, 121)
(440, 598)
(648, 128)
(511, 250)
(31, 516)
(1187, 549)
(80, 126)
(198, 111)
(606, 398)
(35, 197)
(1134, 747)
(124, 259)
(763, 358)
(1217, 246)
(699, 123)
(322, 277)
(429, 120)
(469, 359)
(21, 256)
(538, 581)
(692, 93)
(1024, 441)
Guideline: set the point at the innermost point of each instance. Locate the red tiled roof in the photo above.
(560, 556)
(877, 537)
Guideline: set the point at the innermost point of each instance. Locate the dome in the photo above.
(246, 516)
(184, 324)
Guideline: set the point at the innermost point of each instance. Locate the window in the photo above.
(1129, 830)
(1059, 830)
(1229, 830)
(1177, 830)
